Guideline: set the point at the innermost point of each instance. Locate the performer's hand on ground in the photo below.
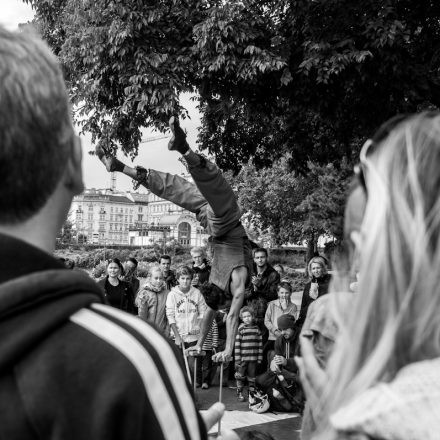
(178, 341)
(222, 356)
(212, 415)
(313, 377)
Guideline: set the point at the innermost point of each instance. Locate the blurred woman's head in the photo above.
(396, 320)
(114, 268)
(155, 275)
(317, 267)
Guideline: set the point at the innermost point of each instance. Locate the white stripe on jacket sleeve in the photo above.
(171, 365)
(133, 350)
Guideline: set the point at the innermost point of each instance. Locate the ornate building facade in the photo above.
(105, 217)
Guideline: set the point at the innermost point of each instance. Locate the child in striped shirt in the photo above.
(209, 347)
(248, 351)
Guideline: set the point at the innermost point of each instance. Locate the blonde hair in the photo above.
(317, 260)
(396, 318)
(154, 268)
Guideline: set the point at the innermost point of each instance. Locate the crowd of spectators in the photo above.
(368, 361)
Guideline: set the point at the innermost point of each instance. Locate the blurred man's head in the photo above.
(197, 255)
(165, 264)
(40, 156)
(260, 257)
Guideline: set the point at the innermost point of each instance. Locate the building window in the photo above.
(90, 216)
(140, 217)
(140, 209)
(184, 234)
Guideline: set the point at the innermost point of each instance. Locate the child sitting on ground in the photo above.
(248, 351)
(281, 382)
(151, 300)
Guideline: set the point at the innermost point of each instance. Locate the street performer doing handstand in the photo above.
(211, 198)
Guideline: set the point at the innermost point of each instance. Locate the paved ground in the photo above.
(282, 426)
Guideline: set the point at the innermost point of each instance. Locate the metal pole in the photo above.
(220, 397)
(186, 362)
(195, 374)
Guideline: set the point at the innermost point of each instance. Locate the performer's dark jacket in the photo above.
(68, 366)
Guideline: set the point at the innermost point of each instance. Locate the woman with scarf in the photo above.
(316, 287)
(151, 300)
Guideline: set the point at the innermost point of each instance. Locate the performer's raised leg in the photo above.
(167, 186)
(208, 178)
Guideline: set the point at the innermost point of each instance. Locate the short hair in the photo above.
(36, 131)
(284, 285)
(165, 257)
(257, 250)
(118, 262)
(247, 309)
(184, 270)
(133, 260)
(197, 249)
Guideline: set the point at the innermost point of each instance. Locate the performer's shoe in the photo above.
(178, 140)
(110, 162)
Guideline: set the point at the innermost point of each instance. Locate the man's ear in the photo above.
(73, 177)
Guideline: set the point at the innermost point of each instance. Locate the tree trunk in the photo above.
(311, 248)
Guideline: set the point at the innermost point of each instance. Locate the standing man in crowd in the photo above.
(201, 267)
(265, 281)
(213, 202)
(67, 361)
(168, 274)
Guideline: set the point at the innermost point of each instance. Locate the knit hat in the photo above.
(286, 321)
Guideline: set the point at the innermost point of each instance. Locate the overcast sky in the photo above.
(151, 155)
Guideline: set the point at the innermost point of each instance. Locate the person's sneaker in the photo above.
(205, 386)
(110, 162)
(178, 140)
(240, 396)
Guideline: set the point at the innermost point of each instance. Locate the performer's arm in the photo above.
(237, 287)
(205, 326)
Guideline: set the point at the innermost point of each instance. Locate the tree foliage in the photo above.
(294, 206)
(310, 78)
